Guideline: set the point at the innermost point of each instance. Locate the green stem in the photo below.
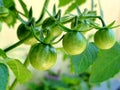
(21, 13)
(13, 85)
(99, 17)
(35, 35)
(43, 11)
(68, 20)
(64, 28)
(15, 82)
(58, 40)
(92, 5)
(16, 44)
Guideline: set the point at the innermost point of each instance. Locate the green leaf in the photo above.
(8, 3)
(21, 72)
(24, 7)
(3, 54)
(106, 65)
(1, 2)
(30, 13)
(74, 4)
(111, 24)
(83, 61)
(54, 10)
(64, 2)
(70, 79)
(4, 76)
(78, 11)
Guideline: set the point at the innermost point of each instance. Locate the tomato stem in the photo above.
(58, 40)
(38, 39)
(64, 28)
(99, 17)
(69, 19)
(16, 44)
(21, 13)
(13, 85)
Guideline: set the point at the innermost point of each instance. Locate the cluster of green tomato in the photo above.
(43, 55)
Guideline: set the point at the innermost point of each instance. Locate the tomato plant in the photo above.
(70, 30)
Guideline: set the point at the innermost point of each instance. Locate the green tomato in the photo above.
(50, 30)
(42, 56)
(3, 11)
(24, 32)
(74, 43)
(9, 19)
(104, 39)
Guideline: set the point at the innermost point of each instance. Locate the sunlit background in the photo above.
(111, 9)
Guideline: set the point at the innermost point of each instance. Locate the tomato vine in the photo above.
(42, 34)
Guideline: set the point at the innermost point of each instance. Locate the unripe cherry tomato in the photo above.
(42, 56)
(74, 43)
(23, 32)
(104, 39)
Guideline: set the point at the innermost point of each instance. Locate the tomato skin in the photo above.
(104, 39)
(74, 43)
(23, 32)
(42, 56)
(3, 11)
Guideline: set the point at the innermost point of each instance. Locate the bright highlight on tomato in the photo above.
(74, 43)
(104, 39)
(42, 56)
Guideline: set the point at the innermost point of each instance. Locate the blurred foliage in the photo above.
(57, 81)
